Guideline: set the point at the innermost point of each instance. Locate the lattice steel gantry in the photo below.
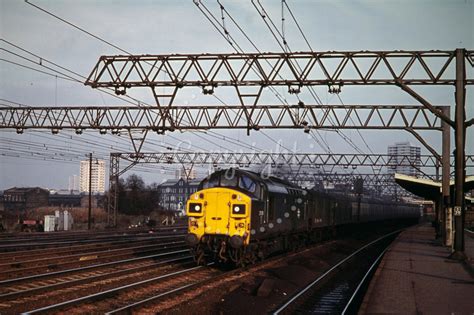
(210, 71)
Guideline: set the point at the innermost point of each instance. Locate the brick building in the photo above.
(25, 198)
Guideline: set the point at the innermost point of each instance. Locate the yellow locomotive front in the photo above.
(219, 224)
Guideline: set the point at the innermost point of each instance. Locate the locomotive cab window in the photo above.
(247, 183)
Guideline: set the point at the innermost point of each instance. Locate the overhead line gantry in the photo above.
(250, 73)
(334, 69)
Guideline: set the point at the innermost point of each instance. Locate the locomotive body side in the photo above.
(243, 217)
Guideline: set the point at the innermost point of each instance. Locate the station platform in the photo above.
(417, 277)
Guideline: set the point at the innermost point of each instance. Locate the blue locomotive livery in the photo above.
(238, 216)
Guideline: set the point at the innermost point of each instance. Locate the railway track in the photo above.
(152, 283)
(15, 270)
(123, 298)
(19, 256)
(44, 241)
(10, 236)
(340, 289)
(19, 295)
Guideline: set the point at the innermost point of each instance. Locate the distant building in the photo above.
(65, 199)
(25, 198)
(98, 176)
(174, 193)
(181, 173)
(404, 158)
(73, 183)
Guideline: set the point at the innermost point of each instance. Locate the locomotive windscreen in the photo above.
(232, 179)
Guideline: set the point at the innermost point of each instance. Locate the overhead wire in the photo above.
(223, 9)
(263, 13)
(311, 49)
(42, 59)
(286, 48)
(70, 77)
(94, 36)
(37, 70)
(325, 147)
(226, 34)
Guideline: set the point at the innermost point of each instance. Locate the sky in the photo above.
(38, 158)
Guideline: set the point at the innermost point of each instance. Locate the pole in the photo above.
(460, 117)
(90, 193)
(446, 218)
(438, 208)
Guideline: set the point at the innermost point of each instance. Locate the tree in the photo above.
(135, 198)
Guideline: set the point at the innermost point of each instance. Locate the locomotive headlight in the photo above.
(195, 208)
(238, 209)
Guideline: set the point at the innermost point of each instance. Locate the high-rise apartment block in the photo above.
(404, 158)
(73, 183)
(97, 176)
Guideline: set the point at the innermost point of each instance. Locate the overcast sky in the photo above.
(165, 27)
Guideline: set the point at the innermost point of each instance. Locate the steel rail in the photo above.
(108, 292)
(22, 254)
(76, 248)
(309, 286)
(44, 237)
(147, 300)
(79, 233)
(55, 273)
(13, 294)
(356, 291)
(78, 242)
(105, 253)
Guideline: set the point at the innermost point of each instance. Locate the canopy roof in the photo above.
(426, 188)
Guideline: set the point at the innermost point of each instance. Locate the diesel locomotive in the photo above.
(238, 216)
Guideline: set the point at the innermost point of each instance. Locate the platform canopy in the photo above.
(428, 189)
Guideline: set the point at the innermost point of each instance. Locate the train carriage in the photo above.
(239, 216)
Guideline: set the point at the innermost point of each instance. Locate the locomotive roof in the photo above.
(273, 183)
